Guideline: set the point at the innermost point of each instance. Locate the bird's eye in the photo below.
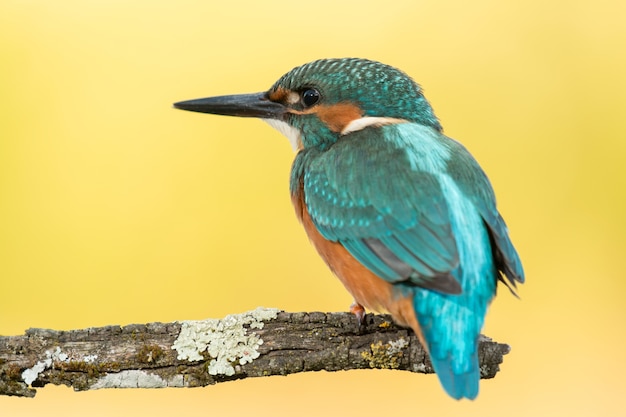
(310, 97)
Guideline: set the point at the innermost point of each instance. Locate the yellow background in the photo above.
(117, 209)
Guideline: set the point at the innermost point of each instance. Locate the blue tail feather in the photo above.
(458, 385)
(451, 323)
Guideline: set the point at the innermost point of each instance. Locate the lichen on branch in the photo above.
(259, 343)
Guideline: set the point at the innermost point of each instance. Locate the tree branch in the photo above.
(262, 342)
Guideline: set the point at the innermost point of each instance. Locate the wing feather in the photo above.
(367, 193)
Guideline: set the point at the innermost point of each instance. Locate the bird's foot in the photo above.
(359, 311)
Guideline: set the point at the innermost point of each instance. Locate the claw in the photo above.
(359, 311)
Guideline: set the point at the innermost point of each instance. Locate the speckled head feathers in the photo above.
(379, 90)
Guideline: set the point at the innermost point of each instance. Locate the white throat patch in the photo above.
(363, 122)
(289, 131)
(294, 134)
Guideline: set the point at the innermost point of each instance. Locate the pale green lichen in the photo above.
(420, 367)
(30, 375)
(385, 355)
(396, 346)
(226, 341)
(136, 379)
(90, 358)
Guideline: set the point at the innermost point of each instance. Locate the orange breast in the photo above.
(368, 289)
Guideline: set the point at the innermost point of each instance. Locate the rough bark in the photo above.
(143, 356)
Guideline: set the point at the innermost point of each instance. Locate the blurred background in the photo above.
(117, 209)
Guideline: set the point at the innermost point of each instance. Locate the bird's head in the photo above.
(317, 103)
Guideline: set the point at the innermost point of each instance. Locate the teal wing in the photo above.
(373, 196)
(466, 172)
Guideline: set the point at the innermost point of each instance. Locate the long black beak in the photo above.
(242, 105)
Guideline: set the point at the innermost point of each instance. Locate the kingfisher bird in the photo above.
(402, 214)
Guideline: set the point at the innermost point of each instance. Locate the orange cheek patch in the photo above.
(279, 95)
(338, 116)
(282, 95)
